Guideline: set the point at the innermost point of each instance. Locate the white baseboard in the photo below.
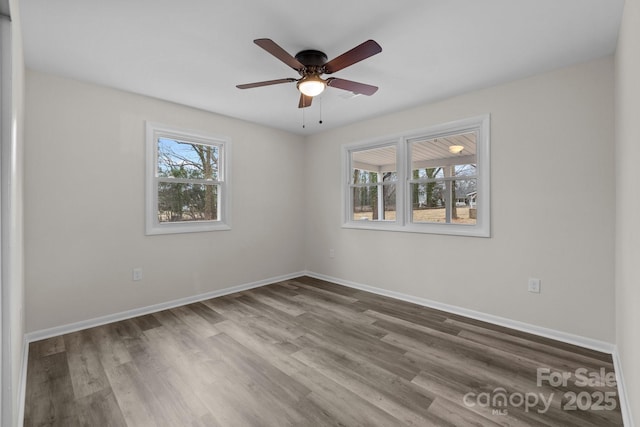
(565, 337)
(123, 315)
(622, 390)
(581, 341)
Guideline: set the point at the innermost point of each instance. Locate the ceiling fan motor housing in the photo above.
(311, 58)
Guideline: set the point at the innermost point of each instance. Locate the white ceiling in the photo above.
(194, 52)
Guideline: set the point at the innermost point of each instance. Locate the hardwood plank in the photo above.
(325, 294)
(111, 349)
(544, 358)
(173, 351)
(180, 388)
(177, 405)
(194, 322)
(275, 301)
(229, 402)
(251, 392)
(287, 284)
(455, 390)
(276, 355)
(100, 409)
(457, 415)
(85, 368)
(321, 284)
(206, 420)
(398, 398)
(342, 406)
(274, 381)
(380, 353)
(272, 323)
(589, 359)
(47, 347)
(49, 399)
(43, 369)
(229, 307)
(143, 355)
(344, 314)
(146, 322)
(206, 313)
(138, 405)
(570, 348)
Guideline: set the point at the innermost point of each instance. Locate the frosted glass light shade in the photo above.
(311, 86)
(455, 149)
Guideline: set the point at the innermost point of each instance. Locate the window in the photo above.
(431, 181)
(443, 181)
(187, 181)
(373, 184)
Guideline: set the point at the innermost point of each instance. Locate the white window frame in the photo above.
(153, 226)
(403, 222)
(349, 222)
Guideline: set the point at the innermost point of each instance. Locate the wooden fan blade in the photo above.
(274, 49)
(265, 83)
(357, 54)
(351, 86)
(305, 101)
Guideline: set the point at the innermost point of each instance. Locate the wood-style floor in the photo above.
(306, 352)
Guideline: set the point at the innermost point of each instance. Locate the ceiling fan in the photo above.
(312, 64)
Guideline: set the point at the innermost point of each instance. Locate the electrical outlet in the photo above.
(332, 253)
(534, 285)
(137, 274)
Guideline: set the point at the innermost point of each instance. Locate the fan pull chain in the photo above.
(320, 121)
(302, 118)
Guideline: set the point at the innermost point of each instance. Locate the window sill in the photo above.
(193, 227)
(446, 229)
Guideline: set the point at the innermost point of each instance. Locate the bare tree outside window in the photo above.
(188, 175)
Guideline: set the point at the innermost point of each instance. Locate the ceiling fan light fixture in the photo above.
(455, 149)
(312, 64)
(311, 85)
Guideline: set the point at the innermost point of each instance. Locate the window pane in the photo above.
(364, 176)
(465, 170)
(187, 202)
(367, 164)
(178, 159)
(431, 158)
(389, 176)
(368, 207)
(428, 195)
(430, 202)
(464, 208)
(374, 202)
